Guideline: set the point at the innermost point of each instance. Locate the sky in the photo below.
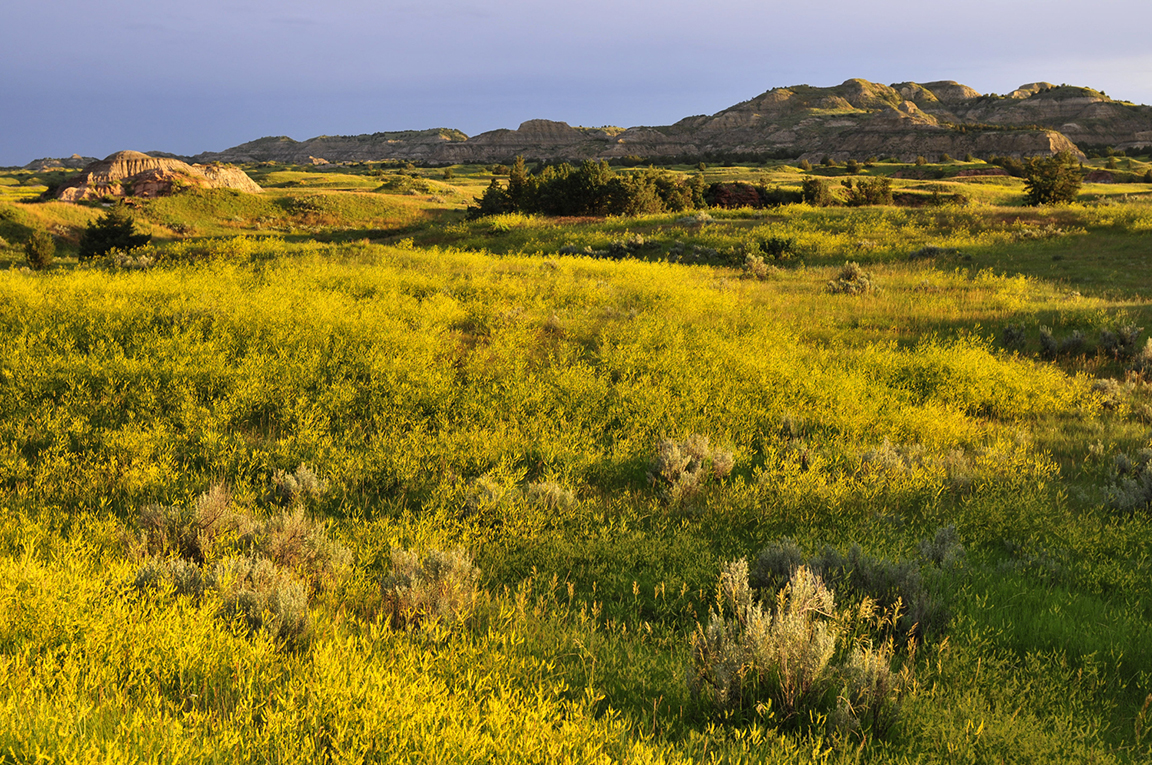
(93, 78)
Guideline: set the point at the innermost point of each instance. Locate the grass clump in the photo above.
(434, 588)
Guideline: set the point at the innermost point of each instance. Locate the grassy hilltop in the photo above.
(335, 473)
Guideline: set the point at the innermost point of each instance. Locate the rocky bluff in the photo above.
(856, 119)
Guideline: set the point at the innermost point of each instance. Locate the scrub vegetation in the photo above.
(343, 473)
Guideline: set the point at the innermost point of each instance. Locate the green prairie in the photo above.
(511, 388)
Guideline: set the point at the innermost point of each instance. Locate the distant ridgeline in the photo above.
(857, 119)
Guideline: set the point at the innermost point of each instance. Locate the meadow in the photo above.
(346, 477)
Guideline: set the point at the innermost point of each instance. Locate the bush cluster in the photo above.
(868, 191)
(264, 572)
(40, 250)
(593, 188)
(1052, 180)
(891, 585)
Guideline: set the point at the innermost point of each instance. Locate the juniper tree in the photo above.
(115, 230)
(1052, 180)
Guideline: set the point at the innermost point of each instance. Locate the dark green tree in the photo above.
(1052, 180)
(40, 250)
(494, 201)
(114, 230)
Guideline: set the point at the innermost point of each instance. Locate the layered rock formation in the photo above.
(856, 119)
(131, 173)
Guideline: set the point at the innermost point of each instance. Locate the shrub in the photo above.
(852, 280)
(290, 488)
(852, 166)
(437, 587)
(1013, 337)
(1130, 489)
(868, 191)
(931, 251)
(1076, 344)
(681, 468)
(943, 549)
(185, 577)
(749, 655)
(756, 268)
(40, 250)
(189, 532)
(1049, 348)
(297, 542)
(1142, 361)
(889, 584)
(1121, 343)
(806, 166)
(1110, 392)
(115, 230)
(263, 596)
(550, 495)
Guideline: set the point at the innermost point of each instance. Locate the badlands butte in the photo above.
(856, 119)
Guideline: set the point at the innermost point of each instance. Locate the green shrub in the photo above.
(756, 268)
(1013, 337)
(549, 495)
(437, 587)
(40, 250)
(891, 585)
(294, 541)
(185, 577)
(290, 488)
(868, 191)
(778, 247)
(1130, 489)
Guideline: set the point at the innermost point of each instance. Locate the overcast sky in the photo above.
(91, 78)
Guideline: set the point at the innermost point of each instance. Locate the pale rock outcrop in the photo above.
(133, 173)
